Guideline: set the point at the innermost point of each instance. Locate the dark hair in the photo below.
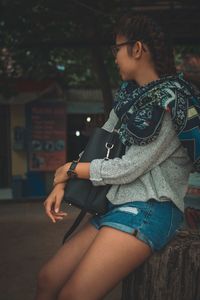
(145, 29)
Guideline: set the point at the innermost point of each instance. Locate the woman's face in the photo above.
(125, 61)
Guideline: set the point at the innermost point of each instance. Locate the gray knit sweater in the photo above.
(159, 170)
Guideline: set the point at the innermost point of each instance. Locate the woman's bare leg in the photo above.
(112, 255)
(57, 271)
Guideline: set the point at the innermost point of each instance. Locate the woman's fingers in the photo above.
(51, 212)
(61, 213)
(50, 215)
(49, 206)
(53, 202)
(58, 216)
(55, 216)
(58, 200)
(48, 210)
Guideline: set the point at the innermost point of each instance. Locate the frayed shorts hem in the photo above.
(152, 222)
(135, 232)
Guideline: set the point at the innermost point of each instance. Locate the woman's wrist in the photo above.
(60, 185)
(71, 169)
(80, 170)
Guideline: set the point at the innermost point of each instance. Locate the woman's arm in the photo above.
(82, 170)
(137, 160)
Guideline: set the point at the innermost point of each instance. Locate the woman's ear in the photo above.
(137, 49)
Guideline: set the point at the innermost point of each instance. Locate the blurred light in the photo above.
(78, 133)
(88, 119)
(61, 68)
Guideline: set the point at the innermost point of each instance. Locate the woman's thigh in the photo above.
(59, 268)
(112, 255)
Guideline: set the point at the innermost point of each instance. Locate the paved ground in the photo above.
(28, 239)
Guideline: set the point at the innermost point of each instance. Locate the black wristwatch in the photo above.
(71, 171)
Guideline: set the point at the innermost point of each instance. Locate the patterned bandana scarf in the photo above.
(141, 110)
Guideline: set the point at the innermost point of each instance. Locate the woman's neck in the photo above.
(146, 76)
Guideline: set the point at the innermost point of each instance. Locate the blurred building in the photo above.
(41, 127)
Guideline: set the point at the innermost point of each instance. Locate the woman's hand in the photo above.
(52, 203)
(61, 174)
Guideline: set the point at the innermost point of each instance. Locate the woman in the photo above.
(148, 182)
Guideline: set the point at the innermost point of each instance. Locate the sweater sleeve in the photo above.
(111, 122)
(137, 160)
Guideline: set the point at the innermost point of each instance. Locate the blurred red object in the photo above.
(193, 191)
(192, 217)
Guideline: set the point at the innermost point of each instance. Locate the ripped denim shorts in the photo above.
(152, 221)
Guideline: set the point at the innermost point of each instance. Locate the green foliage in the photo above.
(53, 39)
(41, 39)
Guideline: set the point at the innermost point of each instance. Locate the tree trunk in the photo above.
(103, 78)
(170, 274)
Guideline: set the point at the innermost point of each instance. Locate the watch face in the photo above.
(71, 174)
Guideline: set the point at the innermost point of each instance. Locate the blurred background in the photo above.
(58, 79)
(57, 82)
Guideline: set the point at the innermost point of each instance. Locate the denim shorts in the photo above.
(152, 221)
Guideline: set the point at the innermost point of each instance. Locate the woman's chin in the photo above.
(125, 77)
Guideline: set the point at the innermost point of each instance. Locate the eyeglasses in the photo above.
(116, 48)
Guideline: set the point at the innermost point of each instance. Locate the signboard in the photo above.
(47, 136)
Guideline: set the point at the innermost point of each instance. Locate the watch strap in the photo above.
(71, 171)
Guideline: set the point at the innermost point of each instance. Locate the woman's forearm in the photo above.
(83, 170)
